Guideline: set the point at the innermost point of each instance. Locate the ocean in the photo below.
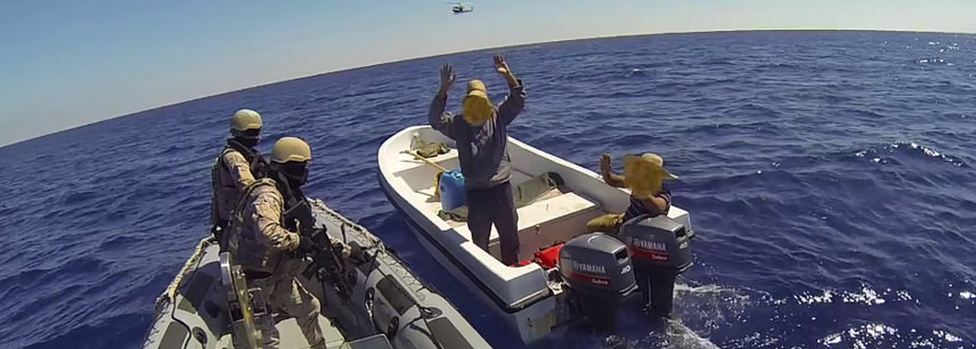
(829, 176)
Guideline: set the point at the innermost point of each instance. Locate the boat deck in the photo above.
(556, 215)
(292, 338)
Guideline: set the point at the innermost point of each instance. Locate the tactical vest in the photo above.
(226, 193)
(247, 244)
(296, 210)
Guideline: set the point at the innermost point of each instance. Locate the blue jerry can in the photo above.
(452, 190)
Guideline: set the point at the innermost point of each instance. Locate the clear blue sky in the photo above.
(69, 63)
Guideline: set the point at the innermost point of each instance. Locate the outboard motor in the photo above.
(598, 272)
(661, 250)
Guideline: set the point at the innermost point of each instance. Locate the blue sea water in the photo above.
(829, 176)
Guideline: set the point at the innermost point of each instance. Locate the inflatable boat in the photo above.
(376, 302)
(567, 274)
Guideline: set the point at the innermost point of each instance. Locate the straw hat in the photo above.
(644, 174)
(477, 107)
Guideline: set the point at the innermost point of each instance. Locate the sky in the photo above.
(69, 63)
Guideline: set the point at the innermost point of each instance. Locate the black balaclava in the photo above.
(290, 178)
(249, 138)
(293, 175)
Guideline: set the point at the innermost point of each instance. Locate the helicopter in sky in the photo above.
(458, 8)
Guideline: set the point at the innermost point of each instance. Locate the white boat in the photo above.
(389, 307)
(530, 297)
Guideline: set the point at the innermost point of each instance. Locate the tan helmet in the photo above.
(245, 120)
(291, 149)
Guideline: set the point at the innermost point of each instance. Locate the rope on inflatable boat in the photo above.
(406, 274)
(376, 243)
(170, 292)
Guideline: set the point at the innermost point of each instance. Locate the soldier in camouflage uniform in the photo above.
(238, 165)
(264, 240)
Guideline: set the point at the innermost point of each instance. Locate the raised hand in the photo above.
(447, 77)
(501, 66)
(605, 163)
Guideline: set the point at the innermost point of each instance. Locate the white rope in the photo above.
(406, 274)
(190, 265)
(170, 292)
(345, 221)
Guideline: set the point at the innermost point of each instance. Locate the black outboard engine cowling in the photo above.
(598, 272)
(660, 248)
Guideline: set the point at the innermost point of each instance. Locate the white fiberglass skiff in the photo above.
(530, 296)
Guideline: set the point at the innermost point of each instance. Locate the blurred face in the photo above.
(477, 109)
(641, 175)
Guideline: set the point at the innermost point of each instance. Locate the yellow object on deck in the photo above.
(437, 177)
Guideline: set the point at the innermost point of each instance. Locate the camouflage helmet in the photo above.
(245, 120)
(291, 149)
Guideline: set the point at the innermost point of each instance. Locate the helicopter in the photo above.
(458, 8)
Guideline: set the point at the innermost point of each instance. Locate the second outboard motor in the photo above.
(598, 272)
(660, 248)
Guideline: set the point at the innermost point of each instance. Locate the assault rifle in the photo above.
(327, 263)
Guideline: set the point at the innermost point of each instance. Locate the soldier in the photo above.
(264, 239)
(238, 165)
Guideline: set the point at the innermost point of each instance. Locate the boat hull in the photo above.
(532, 321)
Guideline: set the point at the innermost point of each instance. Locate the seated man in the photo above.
(644, 175)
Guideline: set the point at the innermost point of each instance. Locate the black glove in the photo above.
(306, 245)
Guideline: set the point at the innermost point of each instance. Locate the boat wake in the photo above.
(710, 307)
(693, 304)
(680, 336)
(674, 335)
(714, 312)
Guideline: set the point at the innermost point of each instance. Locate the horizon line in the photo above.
(609, 36)
(414, 58)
